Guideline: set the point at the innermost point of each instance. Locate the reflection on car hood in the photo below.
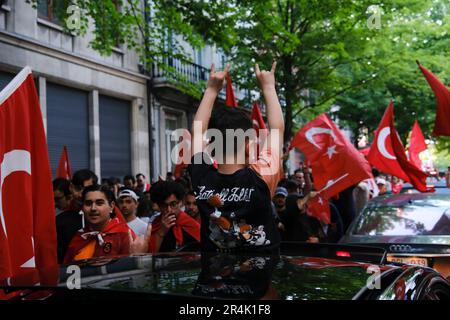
(225, 276)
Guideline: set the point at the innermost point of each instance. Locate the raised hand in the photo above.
(168, 221)
(266, 79)
(217, 79)
(140, 244)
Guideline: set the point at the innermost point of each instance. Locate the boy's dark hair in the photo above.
(62, 185)
(82, 175)
(224, 118)
(129, 177)
(161, 190)
(95, 187)
(298, 170)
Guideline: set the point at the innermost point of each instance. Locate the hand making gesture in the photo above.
(217, 79)
(266, 79)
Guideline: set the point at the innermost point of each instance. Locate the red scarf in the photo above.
(85, 236)
(183, 222)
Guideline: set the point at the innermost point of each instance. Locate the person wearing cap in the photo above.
(279, 200)
(128, 202)
(381, 183)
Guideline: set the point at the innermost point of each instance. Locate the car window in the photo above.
(409, 220)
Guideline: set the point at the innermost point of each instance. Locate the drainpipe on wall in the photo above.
(148, 72)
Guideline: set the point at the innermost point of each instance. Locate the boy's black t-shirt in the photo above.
(246, 205)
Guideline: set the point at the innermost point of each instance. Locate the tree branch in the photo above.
(360, 83)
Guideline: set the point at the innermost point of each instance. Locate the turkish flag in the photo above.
(319, 208)
(27, 211)
(415, 175)
(336, 164)
(230, 99)
(416, 145)
(64, 170)
(442, 121)
(381, 154)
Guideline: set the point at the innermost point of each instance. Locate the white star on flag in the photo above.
(331, 151)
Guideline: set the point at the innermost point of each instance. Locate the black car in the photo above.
(302, 272)
(413, 228)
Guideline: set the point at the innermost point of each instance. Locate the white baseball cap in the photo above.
(128, 193)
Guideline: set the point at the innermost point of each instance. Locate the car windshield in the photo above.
(420, 217)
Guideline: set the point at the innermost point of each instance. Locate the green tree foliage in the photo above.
(324, 49)
(328, 52)
(405, 37)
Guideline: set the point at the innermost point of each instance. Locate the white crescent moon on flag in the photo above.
(255, 123)
(15, 160)
(316, 130)
(381, 143)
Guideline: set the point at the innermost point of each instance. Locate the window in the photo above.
(52, 10)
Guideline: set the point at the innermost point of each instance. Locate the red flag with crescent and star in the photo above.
(319, 208)
(336, 164)
(64, 169)
(381, 154)
(27, 211)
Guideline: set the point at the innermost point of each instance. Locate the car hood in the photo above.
(218, 276)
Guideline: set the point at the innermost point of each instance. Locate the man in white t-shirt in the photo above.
(128, 203)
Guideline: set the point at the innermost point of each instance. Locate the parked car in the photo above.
(414, 228)
(302, 272)
(439, 187)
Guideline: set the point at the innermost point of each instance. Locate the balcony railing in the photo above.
(192, 72)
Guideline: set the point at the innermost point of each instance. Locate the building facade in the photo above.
(97, 106)
(113, 119)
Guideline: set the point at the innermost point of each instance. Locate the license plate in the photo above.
(409, 260)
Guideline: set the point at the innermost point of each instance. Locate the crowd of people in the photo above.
(85, 210)
(227, 207)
